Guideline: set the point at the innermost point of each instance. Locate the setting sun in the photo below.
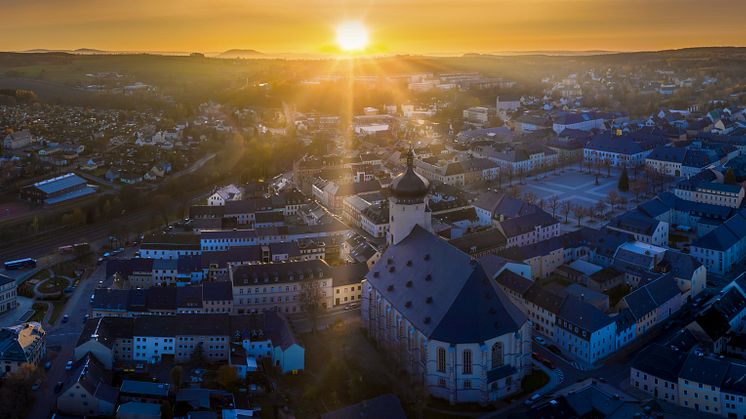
(352, 36)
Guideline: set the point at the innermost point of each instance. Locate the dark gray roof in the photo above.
(514, 282)
(352, 273)
(409, 185)
(442, 291)
(660, 361)
(704, 370)
(584, 315)
(544, 299)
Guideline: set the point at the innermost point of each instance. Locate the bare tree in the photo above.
(311, 300)
(529, 198)
(622, 201)
(580, 212)
(553, 203)
(566, 209)
(612, 198)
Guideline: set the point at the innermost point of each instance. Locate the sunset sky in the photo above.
(395, 26)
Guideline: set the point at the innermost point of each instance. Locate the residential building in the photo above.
(8, 293)
(24, 343)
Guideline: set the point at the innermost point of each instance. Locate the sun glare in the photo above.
(352, 36)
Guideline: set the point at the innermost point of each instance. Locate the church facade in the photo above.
(436, 311)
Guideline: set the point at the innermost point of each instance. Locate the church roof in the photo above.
(443, 292)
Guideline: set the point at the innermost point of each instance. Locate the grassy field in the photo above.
(53, 285)
(40, 310)
(59, 305)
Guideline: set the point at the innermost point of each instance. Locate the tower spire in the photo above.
(410, 158)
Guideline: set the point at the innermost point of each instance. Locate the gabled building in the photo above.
(21, 344)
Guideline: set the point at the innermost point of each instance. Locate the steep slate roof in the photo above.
(514, 282)
(544, 299)
(513, 227)
(442, 291)
(660, 361)
(584, 315)
(351, 273)
(704, 370)
(651, 295)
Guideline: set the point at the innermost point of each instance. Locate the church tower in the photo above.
(408, 203)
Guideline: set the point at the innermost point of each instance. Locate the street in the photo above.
(61, 340)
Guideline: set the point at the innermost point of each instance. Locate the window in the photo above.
(497, 355)
(467, 362)
(441, 360)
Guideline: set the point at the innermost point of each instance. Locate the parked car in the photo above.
(555, 349)
(533, 399)
(69, 365)
(65, 318)
(536, 356)
(85, 318)
(548, 363)
(36, 385)
(540, 340)
(58, 387)
(48, 365)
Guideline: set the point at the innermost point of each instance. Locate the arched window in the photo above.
(441, 360)
(467, 361)
(497, 355)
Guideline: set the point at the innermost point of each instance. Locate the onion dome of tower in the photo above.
(409, 185)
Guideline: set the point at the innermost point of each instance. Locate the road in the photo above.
(62, 338)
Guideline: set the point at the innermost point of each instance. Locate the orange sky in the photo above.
(413, 26)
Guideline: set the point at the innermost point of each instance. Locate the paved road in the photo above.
(62, 339)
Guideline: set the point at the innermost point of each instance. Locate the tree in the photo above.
(580, 212)
(176, 375)
(566, 209)
(311, 300)
(623, 184)
(167, 411)
(529, 198)
(730, 177)
(553, 203)
(16, 396)
(612, 198)
(228, 378)
(599, 209)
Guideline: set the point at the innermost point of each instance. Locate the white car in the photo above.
(540, 340)
(69, 365)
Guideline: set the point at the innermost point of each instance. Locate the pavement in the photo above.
(17, 314)
(61, 339)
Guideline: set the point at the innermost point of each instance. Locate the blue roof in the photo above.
(78, 193)
(60, 183)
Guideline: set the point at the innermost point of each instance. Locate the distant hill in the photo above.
(240, 53)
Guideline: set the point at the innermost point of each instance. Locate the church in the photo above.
(437, 312)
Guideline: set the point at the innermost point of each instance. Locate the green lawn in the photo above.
(40, 310)
(41, 275)
(53, 285)
(532, 382)
(59, 305)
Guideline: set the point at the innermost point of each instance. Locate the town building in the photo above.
(8, 293)
(57, 190)
(24, 343)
